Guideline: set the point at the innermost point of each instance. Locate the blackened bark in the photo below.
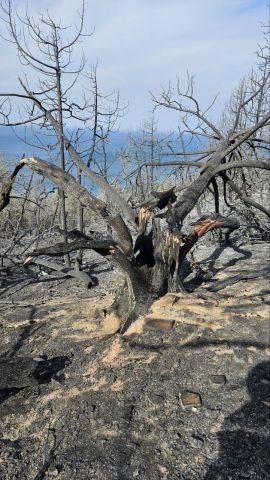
(102, 247)
(237, 278)
(6, 186)
(135, 298)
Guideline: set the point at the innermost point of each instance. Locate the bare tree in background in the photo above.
(249, 103)
(50, 50)
(92, 139)
(145, 147)
(44, 47)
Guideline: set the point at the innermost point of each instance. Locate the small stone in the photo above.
(218, 379)
(196, 442)
(190, 399)
(54, 472)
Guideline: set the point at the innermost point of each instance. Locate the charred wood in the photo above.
(237, 278)
(6, 186)
(144, 250)
(78, 274)
(134, 299)
(159, 200)
(103, 247)
(66, 182)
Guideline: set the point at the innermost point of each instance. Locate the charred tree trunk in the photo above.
(61, 141)
(152, 266)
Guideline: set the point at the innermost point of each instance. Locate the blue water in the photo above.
(13, 147)
(13, 143)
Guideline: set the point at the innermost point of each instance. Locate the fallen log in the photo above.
(237, 278)
(123, 236)
(102, 247)
(78, 274)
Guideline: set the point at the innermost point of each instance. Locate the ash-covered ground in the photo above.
(184, 394)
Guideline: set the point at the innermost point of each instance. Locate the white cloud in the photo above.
(142, 44)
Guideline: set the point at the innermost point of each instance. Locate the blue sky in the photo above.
(142, 44)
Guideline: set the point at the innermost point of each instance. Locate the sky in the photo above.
(142, 44)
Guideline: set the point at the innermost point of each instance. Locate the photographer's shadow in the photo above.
(245, 438)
